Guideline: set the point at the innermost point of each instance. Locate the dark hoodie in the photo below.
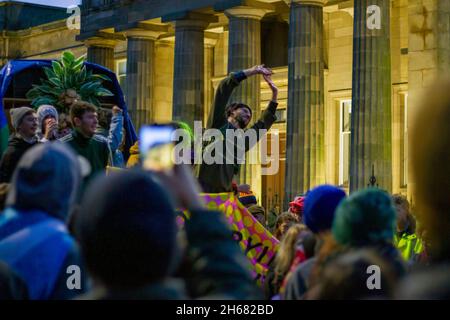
(17, 146)
(33, 238)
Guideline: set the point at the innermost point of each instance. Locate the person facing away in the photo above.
(367, 219)
(25, 124)
(318, 214)
(217, 177)
(83, 140)
(47, 123)
(130, 244)
(34, 240)
(346, 278)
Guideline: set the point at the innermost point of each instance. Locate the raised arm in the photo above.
(115, 129)
(268, 117)
(217, 115)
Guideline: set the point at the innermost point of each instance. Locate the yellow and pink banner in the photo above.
(255, 240)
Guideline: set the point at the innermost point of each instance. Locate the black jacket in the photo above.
(215, 177)
(15, 150)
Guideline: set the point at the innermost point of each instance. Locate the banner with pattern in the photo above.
(256, 241)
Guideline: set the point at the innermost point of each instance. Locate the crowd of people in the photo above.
(69, 231)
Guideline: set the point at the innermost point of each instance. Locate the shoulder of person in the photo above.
(66, 138)
(99, 138)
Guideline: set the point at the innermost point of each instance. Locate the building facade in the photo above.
(350, 73)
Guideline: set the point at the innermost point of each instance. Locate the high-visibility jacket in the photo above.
(409, 245)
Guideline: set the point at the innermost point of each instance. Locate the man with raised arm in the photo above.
(217, 177)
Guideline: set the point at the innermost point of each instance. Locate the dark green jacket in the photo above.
(216, 178)
(95, 150)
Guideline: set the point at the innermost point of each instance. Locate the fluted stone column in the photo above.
(371, 137)
(101, 51)
(305, 163)
(188, 81)
(244, 51)
(139, 80)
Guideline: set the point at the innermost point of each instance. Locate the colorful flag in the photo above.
(256, 241)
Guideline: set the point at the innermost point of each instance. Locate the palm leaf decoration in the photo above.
(67, 80)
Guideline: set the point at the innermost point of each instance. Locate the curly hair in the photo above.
(234, 106)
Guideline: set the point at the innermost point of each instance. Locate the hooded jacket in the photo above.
(17, 146)
(34, 240)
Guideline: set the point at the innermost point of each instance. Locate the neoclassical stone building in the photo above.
(350, 74)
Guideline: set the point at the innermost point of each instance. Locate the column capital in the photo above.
(100, 42)
(191, 24)
(143, 30)
(245, 12)
(320, 3)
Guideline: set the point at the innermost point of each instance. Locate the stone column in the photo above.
(371, 138)
(244, 51)
(101, 51)
(139, 80)
(305, 163)
(188, 81)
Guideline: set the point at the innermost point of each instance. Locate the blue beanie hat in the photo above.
(367, 217)
(320, 206)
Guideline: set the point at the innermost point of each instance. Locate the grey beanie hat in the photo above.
(46, 110)
(17, 115)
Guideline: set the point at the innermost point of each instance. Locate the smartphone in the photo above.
(157, 147)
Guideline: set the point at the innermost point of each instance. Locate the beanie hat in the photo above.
(17, 115)
(367, 217)
(320, 207)
(297, 206)
(247, 198)
(46, 110)
(128, 238)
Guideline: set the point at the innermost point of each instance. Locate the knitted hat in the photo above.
(17, 115)
(46, 110)
(247, 198)
(320, 206)
(366, 217)
(128, 238)
(297, 206)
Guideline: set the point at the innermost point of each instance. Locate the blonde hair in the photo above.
(286, 252)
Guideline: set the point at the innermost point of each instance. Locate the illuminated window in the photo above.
(121, 71)
(345, 111)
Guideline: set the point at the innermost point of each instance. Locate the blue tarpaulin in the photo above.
(14, 67)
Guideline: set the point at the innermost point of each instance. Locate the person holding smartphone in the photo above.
(216, 177)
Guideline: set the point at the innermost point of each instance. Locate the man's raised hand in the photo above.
(272, 86)
(258, 69)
